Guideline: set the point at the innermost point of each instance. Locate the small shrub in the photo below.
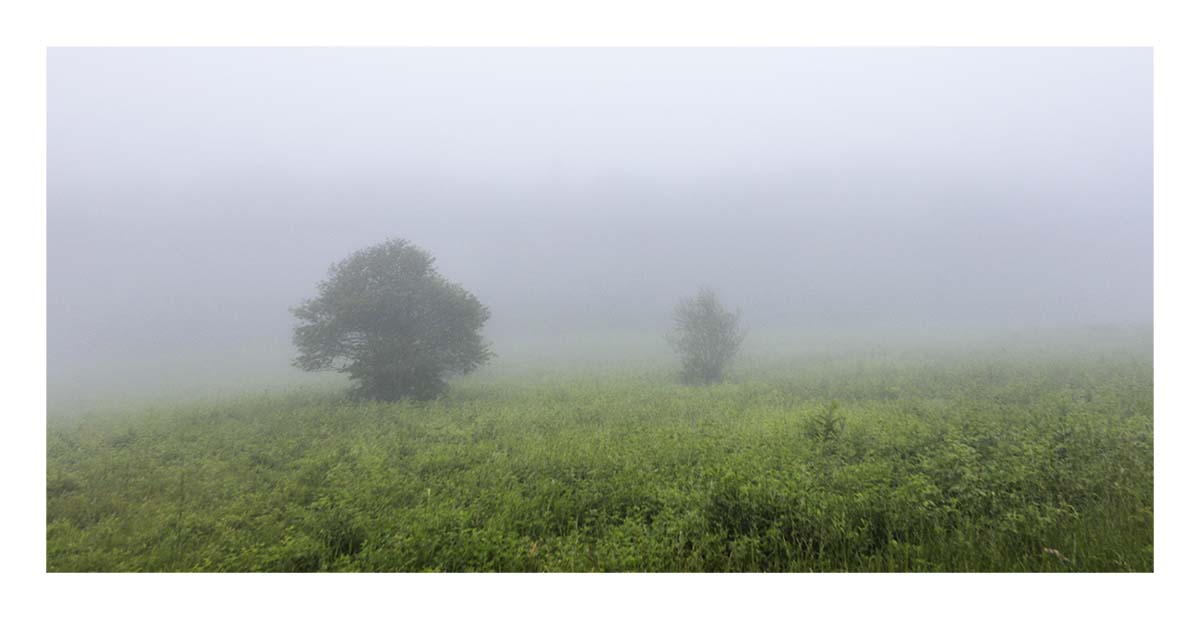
(826, 426)
(706, 337)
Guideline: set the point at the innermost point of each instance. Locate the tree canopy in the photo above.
(389, 320)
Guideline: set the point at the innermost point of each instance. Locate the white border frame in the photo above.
(28, 29)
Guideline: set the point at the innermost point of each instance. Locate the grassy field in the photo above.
(983, 461)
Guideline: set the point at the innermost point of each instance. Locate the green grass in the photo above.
(982, 462)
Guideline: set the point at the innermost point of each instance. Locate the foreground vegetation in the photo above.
(993, 462)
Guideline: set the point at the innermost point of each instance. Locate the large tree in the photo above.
(388, 319)
(706, 337)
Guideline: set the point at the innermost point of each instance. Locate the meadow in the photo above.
(989, 459)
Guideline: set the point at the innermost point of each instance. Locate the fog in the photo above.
(195, 195)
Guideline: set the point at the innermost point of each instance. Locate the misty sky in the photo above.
(194, 195)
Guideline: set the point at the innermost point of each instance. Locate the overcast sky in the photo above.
(196, 194)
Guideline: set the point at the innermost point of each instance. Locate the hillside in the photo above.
(989, 461)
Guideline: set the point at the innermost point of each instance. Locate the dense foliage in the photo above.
(389, 320)
(706, 336)
(995, 463)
